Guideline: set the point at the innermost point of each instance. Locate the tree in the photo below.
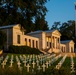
(25, 12)
(41, 24)
(2, 39)
(67, 30)
(56, 25)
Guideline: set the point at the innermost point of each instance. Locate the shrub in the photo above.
(2, 39)
(23, 50)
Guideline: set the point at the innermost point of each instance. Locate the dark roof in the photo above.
(49, 30)
(8, 26)
(39, 31)
(65, 41)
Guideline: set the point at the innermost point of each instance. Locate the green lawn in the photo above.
(65, 69)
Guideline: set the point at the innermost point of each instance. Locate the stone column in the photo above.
(59, 44)
(48, 43)
(34, 43)
(27, 42)
(54, 43)
(64, 49)
(69, 49)
(38, 44)
(73, 49)
(31, 43)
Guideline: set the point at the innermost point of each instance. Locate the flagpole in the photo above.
(75, 17)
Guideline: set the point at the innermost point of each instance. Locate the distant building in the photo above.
(47, 41)
(68, 46)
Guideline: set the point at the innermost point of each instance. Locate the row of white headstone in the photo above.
(55, 58)
(72, 64)
(61, 62)
(41, 61)
(34, 63)
(4, 61)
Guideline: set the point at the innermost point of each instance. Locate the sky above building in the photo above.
(60, 11)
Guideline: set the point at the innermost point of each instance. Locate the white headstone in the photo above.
(28, 67)
(24, 63)
(72, 71)
(33, 64)
(47, 64)
(41, 60)
(57, 66)
(12, 57)
(24, 57)
(5, 60)
(11, 62)
(44, 66)
(39, 68)
(3, 64)
(37, 62)
(18, 63)
(30, 61)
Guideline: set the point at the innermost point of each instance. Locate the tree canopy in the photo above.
(29, 13)
(2, 39)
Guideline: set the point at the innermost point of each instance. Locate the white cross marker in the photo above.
(18, 63)
(37, 63)
(33, 64)
(11, 62)
(46, 64)
(24, 62)
(28, 67)
(43, 67)
(57, 66)
(39, 68)
(3, 64)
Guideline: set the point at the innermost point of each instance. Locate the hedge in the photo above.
(23, 50)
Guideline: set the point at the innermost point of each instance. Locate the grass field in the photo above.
(14, 70)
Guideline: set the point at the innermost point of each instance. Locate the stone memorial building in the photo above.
(47, 41)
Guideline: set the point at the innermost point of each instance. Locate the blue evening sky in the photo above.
(60, 10)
